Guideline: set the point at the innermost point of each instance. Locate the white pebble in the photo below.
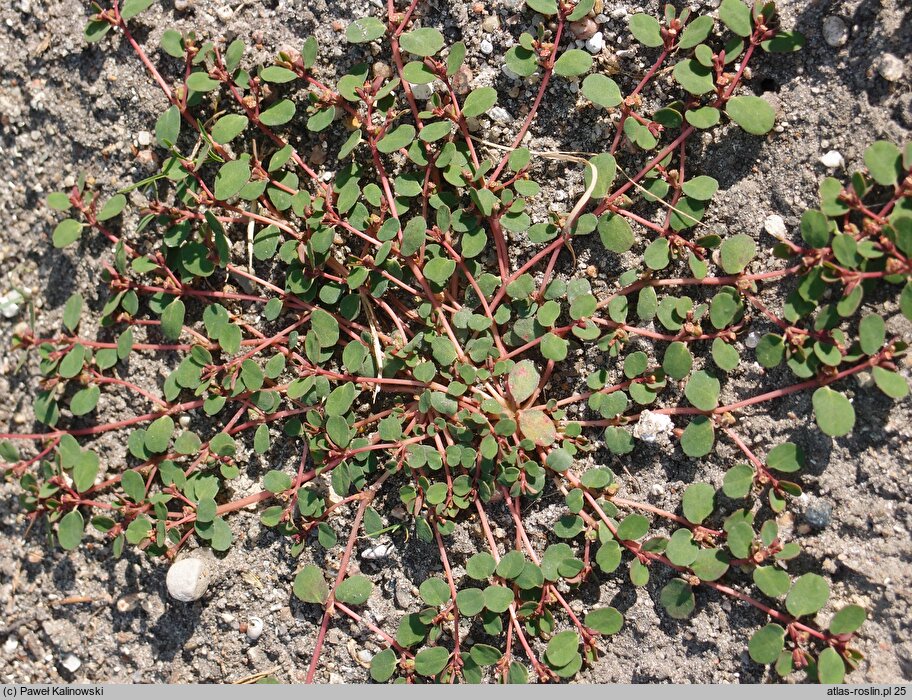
(184, 421)
(187, 579)
(10, 303)
(651, 426)
(834, 31)
(595, 43)
(833, 159)
(774, 225)
(71, 663)
(422, 92)
(499, 114)
(254, 628)
(10, 645)
(752, 340)
(657, 490)
(890, 67)
(364, 656)
(378, 551)
(619, 12)
(486, 47)
(144, 138)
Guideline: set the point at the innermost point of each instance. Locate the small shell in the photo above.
(254, 628)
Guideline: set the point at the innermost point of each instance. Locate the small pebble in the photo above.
(596, 43)
(832, 159)
(584, 29)
(378, 551)
(422, 91)
(10, 303)
(254, 628)
(144, 138)
(818, 514)
(752, 340)
(187, 579)
(774, 225)
(10, 645)
(499, 114)
(71, 663)
(657, 490)
(890, 67)
(491, 23)
(834, 31)
(651, 426)
(381, 70)
(364, 656)
(128, 602)
(182, 5)
(487, 48)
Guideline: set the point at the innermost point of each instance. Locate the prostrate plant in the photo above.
(389, 330)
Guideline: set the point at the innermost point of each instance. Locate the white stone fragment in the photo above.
(595, 43)
(378, 551)
(71, 663)
(652, 427)
(487, 48)
(187, 579)
(833, 159)
(499, 114)
(774, 225)
(10, 303)
(422, 91)
(752, 340)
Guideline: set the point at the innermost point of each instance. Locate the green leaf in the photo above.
(400, 137)
(280, 113)
(696, 32)
(702, 390)
(72, 310)
(470, 601)
(498, 598)
(326, 328)
(228, 127)
(554, 347)
(602, 90)
(112, 207)
(479, 101)
(231, 178)
(787, 457)
(681, 549)
(439, 270)
(355, 590)
(815, 228)
(172, 320)
(523, 380)
(131, 8)
(646, 30)
(753, 114)
(872, 332)
(70, 530)
(543, 7)
(698, 437)
(562, 647)
(633, 527)
(615, 233)
(276, 481)
(158, 434)
(830, 667)
(699, 501)
(833, 411)
(85, 470)
(277, 75)
(710, 564)
(200, 81)
(884, 162)
(809, 594)
(480, 566)
(657, 254)
(383, 665)
(784, 42)
(310, 586)
(422, 42)
(434, 591)
(694, 77)
(604, 620)
(890, 383)
(340, 399)
(431, 660)
(772, 581)
(701, 187)
(167, 127)
(678, 599)
(736, 253)
(738, 481)
(737, 17)
(66, 232)
(85, 400)
(365, 29)
(848, 620)
(768, 641)
(573, 62)
(173, 43)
